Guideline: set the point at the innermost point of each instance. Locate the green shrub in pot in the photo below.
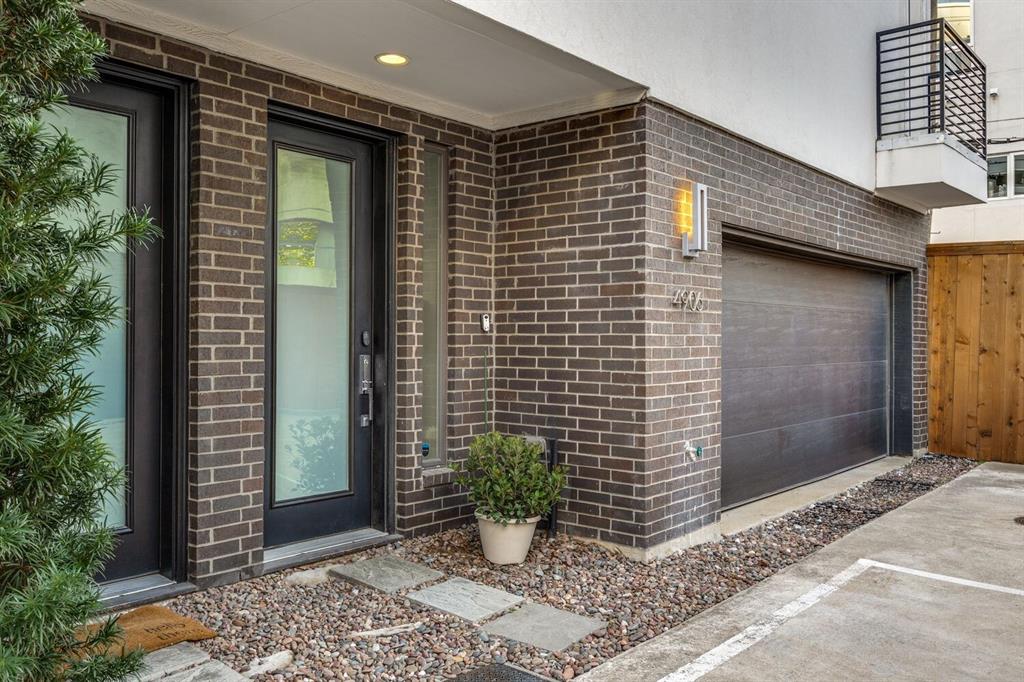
(512, 488)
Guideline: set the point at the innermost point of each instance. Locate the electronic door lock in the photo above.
(366, 388)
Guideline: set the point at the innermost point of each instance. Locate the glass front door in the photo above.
(320, 364)
(104, 134)
(123, 127)
(313, 221)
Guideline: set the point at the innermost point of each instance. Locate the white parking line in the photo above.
(758, 630)
(943, 578)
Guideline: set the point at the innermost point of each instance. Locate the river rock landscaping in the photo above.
(337, 629)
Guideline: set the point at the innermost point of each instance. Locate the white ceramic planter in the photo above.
(506, 544)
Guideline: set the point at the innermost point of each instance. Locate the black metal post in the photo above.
(942, 76)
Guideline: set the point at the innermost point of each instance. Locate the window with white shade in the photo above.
(1006, 176)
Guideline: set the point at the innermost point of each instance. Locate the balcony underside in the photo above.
(928, 171)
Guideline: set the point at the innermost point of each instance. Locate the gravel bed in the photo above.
(266, 615)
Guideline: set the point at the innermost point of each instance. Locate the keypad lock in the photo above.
(366, 388)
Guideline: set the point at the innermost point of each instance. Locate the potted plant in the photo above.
(512, 489)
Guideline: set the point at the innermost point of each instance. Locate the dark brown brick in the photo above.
(563, 230)
(123, 34)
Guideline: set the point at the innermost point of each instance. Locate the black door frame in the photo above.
(901, 315)
(384, 146)
(174, 222)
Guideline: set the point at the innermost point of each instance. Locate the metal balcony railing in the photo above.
(930, 81)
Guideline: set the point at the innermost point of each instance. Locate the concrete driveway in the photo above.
(931, 591)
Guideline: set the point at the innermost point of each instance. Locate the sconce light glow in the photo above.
(691, 211)
(684, 209)
(392, 59)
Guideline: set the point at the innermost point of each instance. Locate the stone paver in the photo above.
(269, 664)
(386, 573)
(312, 576)
(544, 626)
(211, 671)
(172, 659)
(465, 599)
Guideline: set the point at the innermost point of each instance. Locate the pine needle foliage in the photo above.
(55, 470)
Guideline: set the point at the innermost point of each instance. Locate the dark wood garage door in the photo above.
(805, 371)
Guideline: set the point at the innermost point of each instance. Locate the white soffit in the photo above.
(462, 65)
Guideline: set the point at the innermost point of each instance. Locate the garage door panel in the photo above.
(763, 277)
(805, 371)
(766, 335)
(801, 393)
(765, 462)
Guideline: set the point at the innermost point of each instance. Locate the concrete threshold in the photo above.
(756, 513)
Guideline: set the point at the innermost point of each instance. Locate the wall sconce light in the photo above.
(692, 217)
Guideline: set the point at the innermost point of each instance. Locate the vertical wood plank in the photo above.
(965, 357)
(991, 340)
(937, 275)
(1013, 388)
(976, 351)
(940, 295)
(949, 352)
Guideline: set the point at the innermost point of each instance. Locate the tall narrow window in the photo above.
(435, 309)
(1018, 175)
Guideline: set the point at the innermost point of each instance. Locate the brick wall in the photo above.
(564, 229)
(227, 207)
(569, 306)
(591, 350)
(752, 188)
(427, 501)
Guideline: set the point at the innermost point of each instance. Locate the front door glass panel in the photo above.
(105, 135)
(313, 325)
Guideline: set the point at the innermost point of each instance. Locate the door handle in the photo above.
(366, 388)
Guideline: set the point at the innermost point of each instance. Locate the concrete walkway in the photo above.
(931, 591)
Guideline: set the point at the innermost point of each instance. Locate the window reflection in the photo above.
(434, 302)
(312, 350)
(105, 135)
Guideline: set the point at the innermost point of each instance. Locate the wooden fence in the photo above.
(976, 350)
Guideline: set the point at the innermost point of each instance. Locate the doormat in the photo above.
(155, 627)
(497, 672)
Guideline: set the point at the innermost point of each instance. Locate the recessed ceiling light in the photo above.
(392, 59)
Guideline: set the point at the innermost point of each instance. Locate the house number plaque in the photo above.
(688, 299)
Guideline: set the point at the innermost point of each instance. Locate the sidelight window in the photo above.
(435, 297)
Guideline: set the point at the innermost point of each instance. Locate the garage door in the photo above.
(804, 371)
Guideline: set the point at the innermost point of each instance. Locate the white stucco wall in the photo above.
(1000, 220)
(796, 76)
(999, 41)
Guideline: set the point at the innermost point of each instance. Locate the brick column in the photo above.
(569, 298)
(227, 328)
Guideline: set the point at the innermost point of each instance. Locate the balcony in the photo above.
(931, 118)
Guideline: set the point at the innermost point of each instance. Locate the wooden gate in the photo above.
(976, 350)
